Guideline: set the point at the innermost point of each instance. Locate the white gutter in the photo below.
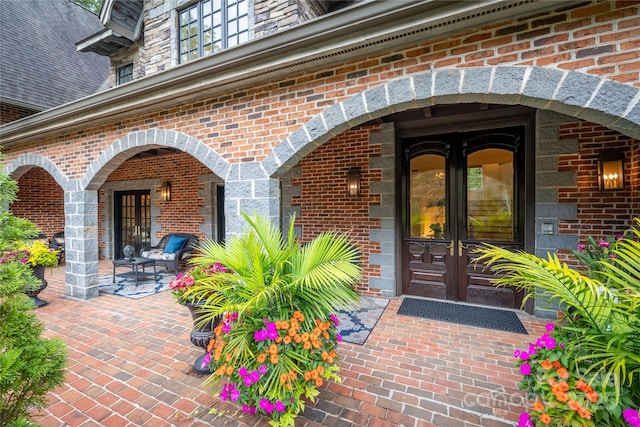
(359, 30)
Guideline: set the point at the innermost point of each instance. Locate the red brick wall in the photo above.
(41, 200)
(10, 113)
(600, 213)
(181, 213)
(247, 124)
(324, 202)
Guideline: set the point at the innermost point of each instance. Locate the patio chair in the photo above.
(172, 249)
(57, 243)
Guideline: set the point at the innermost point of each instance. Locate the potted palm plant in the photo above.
(278, 298)
(586, 369)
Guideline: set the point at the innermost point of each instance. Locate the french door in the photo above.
(132, 220)
(462, 189)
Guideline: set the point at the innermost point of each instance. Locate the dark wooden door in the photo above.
(462, 189)
(132, 220)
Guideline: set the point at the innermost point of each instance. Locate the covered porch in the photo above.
(131, 364)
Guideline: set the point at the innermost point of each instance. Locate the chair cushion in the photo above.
(174, 244)
(158, 254)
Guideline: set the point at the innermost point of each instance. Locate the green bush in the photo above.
(30, 366)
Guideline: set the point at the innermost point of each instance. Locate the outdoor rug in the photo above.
(482, 317)
(355, 325)
(125, 285)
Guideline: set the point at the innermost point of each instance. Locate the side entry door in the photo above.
(462, 189)
(132, 220)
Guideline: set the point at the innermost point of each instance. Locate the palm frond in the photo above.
(552, 281)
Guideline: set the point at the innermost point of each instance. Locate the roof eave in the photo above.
(365, 28)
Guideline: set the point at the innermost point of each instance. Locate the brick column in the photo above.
(81, 242)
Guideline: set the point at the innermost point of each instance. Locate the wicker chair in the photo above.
(171, 250)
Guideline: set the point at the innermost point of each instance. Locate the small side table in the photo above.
(134, 264)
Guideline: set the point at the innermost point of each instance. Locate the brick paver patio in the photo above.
(130, 364)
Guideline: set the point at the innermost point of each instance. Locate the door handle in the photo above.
(452, 247)
(461, 247)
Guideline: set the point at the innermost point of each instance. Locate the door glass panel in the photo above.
(490, 194)
(427, 207)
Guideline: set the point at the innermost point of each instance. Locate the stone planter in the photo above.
(38, 272)
(201, 334)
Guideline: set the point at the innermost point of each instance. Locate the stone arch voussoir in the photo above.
(608, 103)
(22, 164)
(136, 142)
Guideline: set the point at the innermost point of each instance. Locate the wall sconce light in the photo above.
(353, 182)
(165, 191)
(611, 171)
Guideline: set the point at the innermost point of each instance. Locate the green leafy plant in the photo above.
(40, 254)
(601, 329)
(277, 341)
(30, 365)
(183, 282)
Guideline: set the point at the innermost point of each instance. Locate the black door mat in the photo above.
(482, 317)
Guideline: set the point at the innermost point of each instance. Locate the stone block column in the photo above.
(81, 242)
(248, 189)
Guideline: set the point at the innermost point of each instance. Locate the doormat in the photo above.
(482, 317)
(356, 324)
(125, 285)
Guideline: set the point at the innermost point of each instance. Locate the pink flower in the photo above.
(280, 406)
(525, 369)
(338, 337)
(632, 416)
(550, 327)
(266, 406)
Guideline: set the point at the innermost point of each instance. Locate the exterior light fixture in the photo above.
(611, 171)
(165, 191)
(353, 182)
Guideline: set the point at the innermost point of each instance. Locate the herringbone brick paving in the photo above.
(130, 364)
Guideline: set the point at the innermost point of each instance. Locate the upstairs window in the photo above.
(212, 25)
(125, 74)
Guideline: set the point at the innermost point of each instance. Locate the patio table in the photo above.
(134, 264)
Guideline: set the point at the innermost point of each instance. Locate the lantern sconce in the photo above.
(353, 182)
(611, 171)
(165, 191)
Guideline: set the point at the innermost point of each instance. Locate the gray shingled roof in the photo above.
(39, 63)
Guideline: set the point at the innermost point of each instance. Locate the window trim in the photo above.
(224, 24)
(119, 77)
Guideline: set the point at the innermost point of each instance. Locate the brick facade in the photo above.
(11, 112)
(580, 61)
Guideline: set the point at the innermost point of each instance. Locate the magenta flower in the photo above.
(632, 416)
(525, 420)
(242, 371)
(235, 394)
(581, 248)
(604, 244)
(525, 369)
(334, 318)
(524, 355)
(338, 338)
(226, 328)
(205, 361)
(280, 406)
(550, 327)
(262, 369)
(266, 406)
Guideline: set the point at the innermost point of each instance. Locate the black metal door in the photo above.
(132, 220)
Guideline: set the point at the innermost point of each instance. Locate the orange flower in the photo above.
(563, 386)
(316, 343)
(320, 370)
(551, 381)
(307, 345)
(273, 349)
(581, 385)
(287, 339)
(563, 373)
(319, 382)
(584, 413)
(283, 378)
(261, 357)
(274, 359)
(538, 406)
(228, 357)
(593, 397)
(330, 359)
(573, 405)
(562, 396)
(292, 332)
(279, 339)
(324, 355)
(297, 338)
(307, 376)
(292, 375)
(298, 316)
(229, 370)
(305, 337)
(546, 365)
(210, 345)
(285, 324)
(314, 374)
(557, 364)
(545, 418)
